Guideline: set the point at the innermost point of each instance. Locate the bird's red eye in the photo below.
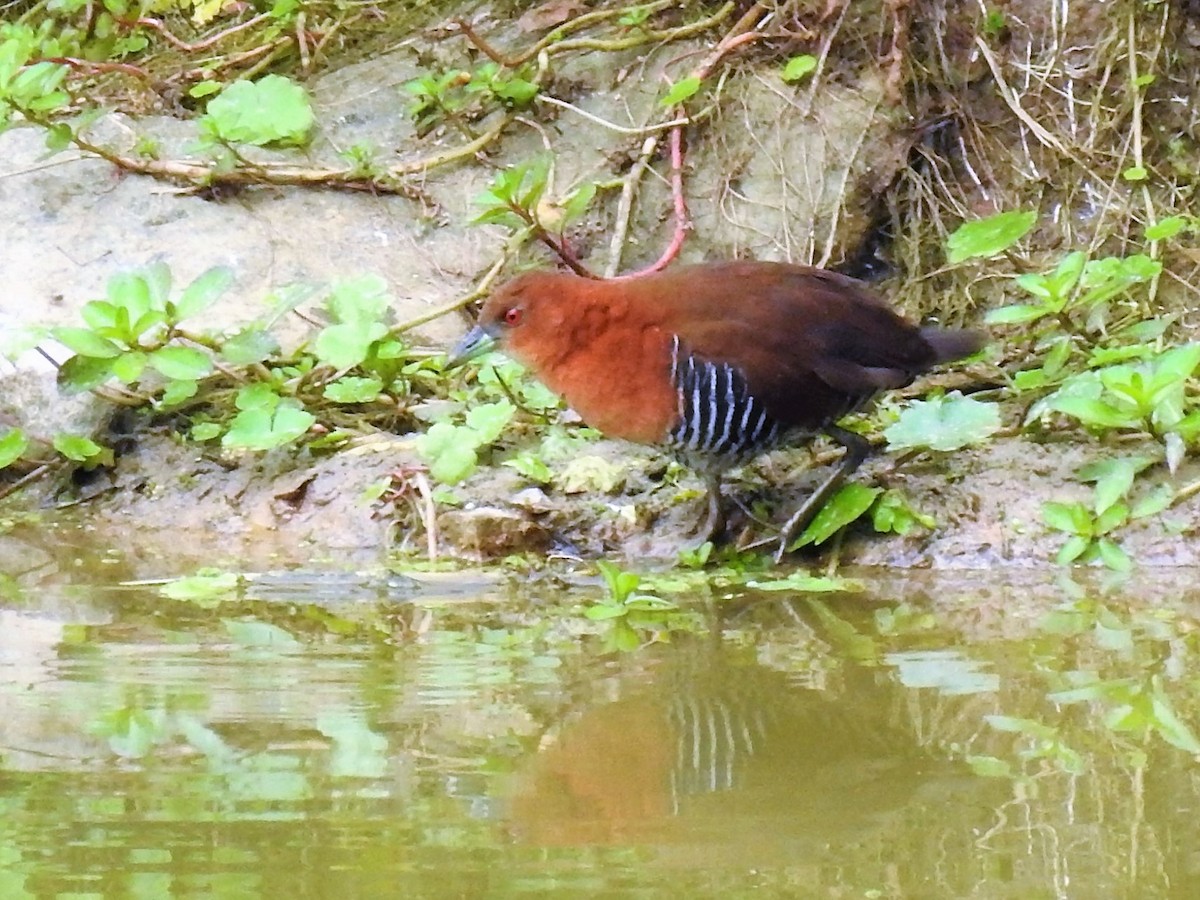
(512, 316)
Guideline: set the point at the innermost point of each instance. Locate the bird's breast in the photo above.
(619, 381)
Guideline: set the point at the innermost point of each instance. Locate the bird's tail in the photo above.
(949, 344)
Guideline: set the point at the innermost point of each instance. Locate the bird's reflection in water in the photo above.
(713, 750)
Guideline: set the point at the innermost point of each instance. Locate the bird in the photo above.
(718, 362)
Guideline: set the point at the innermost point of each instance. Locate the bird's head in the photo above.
(517, 315)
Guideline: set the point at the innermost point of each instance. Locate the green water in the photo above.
(323, 735)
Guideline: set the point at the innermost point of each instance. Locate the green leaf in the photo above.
(1056, 359)
(183, 363)
(989, 766)
(1166, 228)
(943, 423)
(620, 583)
(128, 367)
(844, 507)
(207, 587)
(203, 292)
(1067, 273)
(76, 447)
(531, 468)
(576, 204)
(1153, 503)
(204, 89)
(205, 431)
(1113, 556)
(1016, 314)
(517, 91)
(252, 344)
(364, 300)
(988, 237)
(892, 513)
(271, 110)
(99, 315)
(1179, 362)
(1135, 173)
(499, 215)
(600, 612)
(1105, 278)
(83, 373)
(798, 67)
(12, 446)
(488, 420)
(1113, 478)
(176, 392)
(1074, 548)
(520, 186)
(353, 390)
(1072, 518)
(86, 343)
(635, 16)
(131, 292)
(264, 427)
(157, 277)
(1113, 517)
(1093, 412)
(346, 345)
(804, 583)
(148, 320)
(258, 395)
(680, 91)
(1170, 727)
(450, 451)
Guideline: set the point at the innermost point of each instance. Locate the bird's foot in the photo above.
(794, 526)
(712, 526)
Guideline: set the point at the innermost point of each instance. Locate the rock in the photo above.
(487, 532)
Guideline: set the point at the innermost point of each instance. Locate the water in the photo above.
(324, 735)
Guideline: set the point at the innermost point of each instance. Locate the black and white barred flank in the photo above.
(721, 421)
(717, 413)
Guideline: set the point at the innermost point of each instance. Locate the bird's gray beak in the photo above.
(473, 343)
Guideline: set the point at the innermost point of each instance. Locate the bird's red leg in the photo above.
(857, 450)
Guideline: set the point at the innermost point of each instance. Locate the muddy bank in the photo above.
(167, 497)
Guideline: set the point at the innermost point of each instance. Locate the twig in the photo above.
(1138, 157)
(553, 44)
(1043, 136)
(741, 33)
(302, 40)
(616, 244)
(86, 65)
(428, 513)
(559, 248)
(1186, 492)
(682, 223)
(480, 290)
(183, 45)
(392, 181)
(27, 479)
(637, 131)
(482, 45)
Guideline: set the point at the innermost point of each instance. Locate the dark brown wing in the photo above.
(809, 342)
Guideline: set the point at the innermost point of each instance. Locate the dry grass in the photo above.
(1045, 115)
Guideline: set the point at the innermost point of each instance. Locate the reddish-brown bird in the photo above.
(718, 362)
